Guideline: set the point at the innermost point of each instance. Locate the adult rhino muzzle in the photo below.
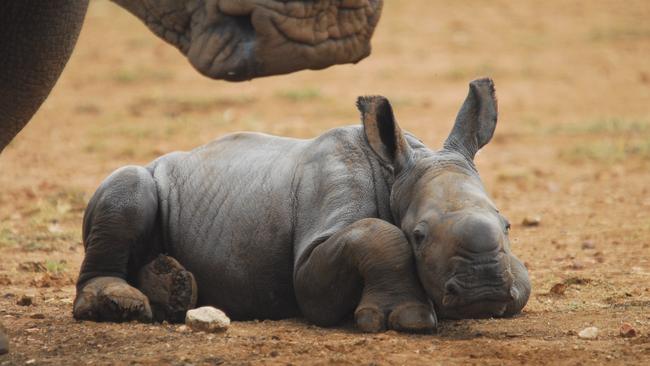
(242, 39)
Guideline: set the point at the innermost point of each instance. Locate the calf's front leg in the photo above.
(367, 268)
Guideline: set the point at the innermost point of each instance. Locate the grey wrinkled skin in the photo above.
(223, 39)
(243, 39)
(362, 220)
(36, 39)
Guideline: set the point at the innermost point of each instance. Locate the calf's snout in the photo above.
(479, 280)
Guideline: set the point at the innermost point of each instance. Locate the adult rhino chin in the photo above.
(242, 39)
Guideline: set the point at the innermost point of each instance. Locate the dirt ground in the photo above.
(572, 147)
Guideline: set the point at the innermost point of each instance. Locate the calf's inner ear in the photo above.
(476, 120)
(382, 131)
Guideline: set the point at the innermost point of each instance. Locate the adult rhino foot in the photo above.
(111, 299)
(171, 289)
(413, 318)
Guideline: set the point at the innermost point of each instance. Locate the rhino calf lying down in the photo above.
(361, 220)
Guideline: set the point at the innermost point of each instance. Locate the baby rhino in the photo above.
(362, 220)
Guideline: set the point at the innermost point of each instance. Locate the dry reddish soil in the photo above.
(572, 147)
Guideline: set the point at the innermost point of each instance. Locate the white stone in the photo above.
(589, 333)
(207, 319)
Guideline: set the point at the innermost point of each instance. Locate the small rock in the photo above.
(30, 362)
(599, 257)
(558, 289)
(588, 333)
(25, 300)
(627, 331)
(576, 265)
(207, 319)
(531, 221)
(588, 244)
(5, 280)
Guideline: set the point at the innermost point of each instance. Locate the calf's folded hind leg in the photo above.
(118, 237)
(170, 288)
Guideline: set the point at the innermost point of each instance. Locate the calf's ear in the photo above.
(476, 119)
(383, 133)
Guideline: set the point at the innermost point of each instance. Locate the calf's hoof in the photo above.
(111, 299)
(370, 319)
(413, 318)
(408, 317)
(171, 289)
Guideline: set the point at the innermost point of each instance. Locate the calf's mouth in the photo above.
(478, 289)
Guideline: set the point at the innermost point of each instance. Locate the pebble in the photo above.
(558, 289)
(588, 333)
(207, 319)
(25, 300)
(588, 244)
(576, 265)
(627, 331)
(531, 221)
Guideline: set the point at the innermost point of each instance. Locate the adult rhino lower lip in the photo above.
(242, 39)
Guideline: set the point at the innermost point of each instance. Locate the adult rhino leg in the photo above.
(117, 231)
(368, 266)
(521, 287)
(36, 40)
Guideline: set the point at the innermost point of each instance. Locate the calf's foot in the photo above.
(370, 260)
(111, 299)
(413, 318)
(410, 317)
(171, 289)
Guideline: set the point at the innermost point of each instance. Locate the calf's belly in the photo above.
(246, 280)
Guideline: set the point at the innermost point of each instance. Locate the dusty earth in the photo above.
(572, 147)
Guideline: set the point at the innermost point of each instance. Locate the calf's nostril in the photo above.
(513, 293)
(451, 289)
